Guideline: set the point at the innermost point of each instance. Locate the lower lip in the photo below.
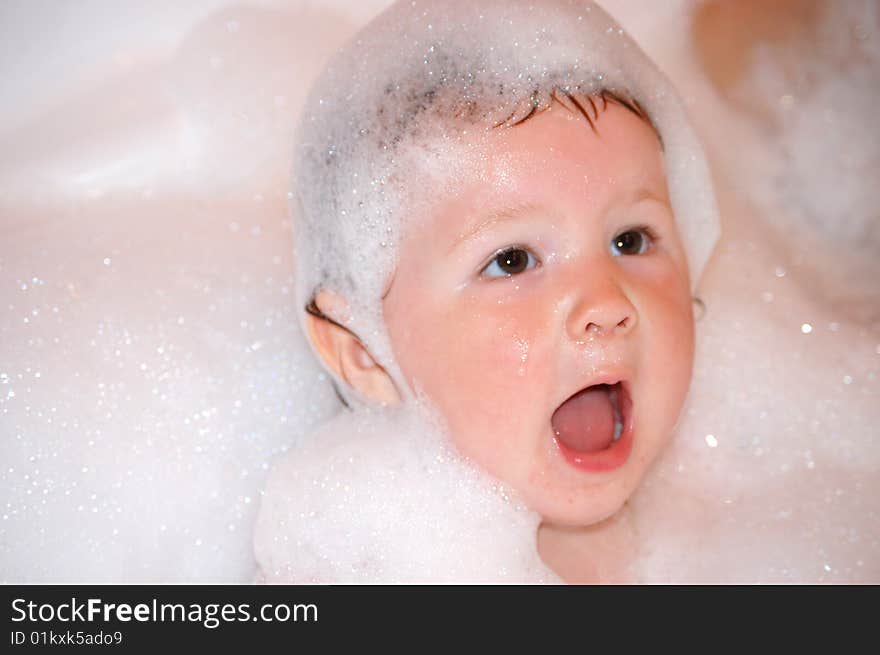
(611, 458)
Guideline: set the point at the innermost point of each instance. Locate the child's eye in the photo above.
(633, 242)
(509, 262)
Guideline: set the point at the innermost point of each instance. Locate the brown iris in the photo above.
(630, 243)
(513, 261)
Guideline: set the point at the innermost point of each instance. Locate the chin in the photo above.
(582, 512)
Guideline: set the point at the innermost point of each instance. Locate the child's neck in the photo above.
(597, 554)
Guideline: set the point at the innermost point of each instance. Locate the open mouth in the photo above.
(593, 428)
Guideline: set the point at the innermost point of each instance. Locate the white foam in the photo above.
(150, 367)
(380, 497)
(826, 150)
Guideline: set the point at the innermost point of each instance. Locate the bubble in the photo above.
(380, 497)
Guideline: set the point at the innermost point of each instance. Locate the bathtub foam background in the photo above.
(151, 370)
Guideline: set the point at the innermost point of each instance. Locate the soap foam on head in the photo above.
(422, 75)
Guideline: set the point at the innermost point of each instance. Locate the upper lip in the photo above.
(609, 377)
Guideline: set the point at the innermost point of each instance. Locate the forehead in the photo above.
(554, 160)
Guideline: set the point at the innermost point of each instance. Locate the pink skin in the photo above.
(497, 356)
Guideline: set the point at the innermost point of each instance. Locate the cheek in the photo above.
(484, 357)
(474, 361)
(670, 348)
(491, 387)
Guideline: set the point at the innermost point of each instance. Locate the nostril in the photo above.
(598, 329)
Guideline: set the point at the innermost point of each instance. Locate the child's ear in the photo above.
(345, 355)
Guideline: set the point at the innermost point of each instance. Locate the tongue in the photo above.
(585, 422)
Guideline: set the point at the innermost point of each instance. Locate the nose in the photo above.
(600, 308)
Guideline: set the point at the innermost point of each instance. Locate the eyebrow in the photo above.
(647, 194)
(495, 216)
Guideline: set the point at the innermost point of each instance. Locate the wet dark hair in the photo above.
(577, 101)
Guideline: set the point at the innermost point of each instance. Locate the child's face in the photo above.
(498, 344)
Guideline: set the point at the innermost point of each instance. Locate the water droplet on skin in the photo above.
(523, 347)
